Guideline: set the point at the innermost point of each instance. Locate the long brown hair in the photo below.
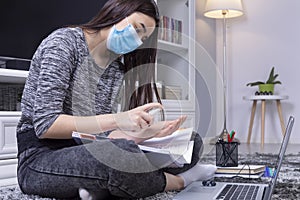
(139, 65)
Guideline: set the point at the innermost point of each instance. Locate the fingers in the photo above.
(182, 119)
(171, 126)
(150, 106)
(137, 118)
(141, 120)
(146, 118)
(158, 129)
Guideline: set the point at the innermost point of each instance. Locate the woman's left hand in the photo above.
(159, 129)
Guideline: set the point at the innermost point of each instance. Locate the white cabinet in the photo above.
(8, 124)
(8, 147)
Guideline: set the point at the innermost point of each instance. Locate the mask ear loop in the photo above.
(127, 21)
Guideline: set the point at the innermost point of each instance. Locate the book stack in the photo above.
(169, 91)
(173, 92)
(245, 171)
(170, 30)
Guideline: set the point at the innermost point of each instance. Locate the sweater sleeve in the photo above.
(54, 59)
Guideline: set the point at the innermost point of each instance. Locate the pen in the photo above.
(231, 136)
(228, 138)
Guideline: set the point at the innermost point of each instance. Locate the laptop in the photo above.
(223, 190)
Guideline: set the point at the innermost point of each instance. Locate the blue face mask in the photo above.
(123, 41)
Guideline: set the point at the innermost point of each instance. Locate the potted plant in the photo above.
(266, 88)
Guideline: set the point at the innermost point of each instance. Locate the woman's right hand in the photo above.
(137, 118)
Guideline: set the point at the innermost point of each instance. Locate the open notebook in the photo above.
(174, 150)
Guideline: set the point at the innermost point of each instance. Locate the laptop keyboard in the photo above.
(238, 192)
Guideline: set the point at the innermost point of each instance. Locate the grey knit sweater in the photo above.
(64, 79)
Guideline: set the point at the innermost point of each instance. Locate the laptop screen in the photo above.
(282, 150)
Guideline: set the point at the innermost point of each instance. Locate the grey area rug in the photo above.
(287, 187)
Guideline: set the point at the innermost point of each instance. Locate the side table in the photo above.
(263, 99)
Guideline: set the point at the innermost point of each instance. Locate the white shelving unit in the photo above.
(8, 123)
(176, 61)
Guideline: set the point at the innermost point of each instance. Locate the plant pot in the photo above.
(266, 88)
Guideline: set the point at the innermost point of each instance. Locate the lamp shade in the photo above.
(223, 8)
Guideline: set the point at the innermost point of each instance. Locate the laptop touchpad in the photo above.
(201, 189)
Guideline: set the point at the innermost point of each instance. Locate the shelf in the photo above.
(175, 17)
(175, 55)
(13, 76)
(172, 47)
(10, 113)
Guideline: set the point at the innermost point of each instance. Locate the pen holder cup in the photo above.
(226, 154)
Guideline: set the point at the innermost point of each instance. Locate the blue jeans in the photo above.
(112, 168)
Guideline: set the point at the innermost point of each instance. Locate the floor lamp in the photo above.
(223, 9)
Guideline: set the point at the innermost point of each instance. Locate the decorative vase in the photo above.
(266, 88)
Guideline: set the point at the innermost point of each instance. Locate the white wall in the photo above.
(206, 78)
(267, 35)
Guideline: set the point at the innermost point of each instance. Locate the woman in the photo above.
(75, 76)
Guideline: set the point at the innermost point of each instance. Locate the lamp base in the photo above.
(223, 134)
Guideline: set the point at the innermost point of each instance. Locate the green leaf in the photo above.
(271, 76)
(276, 82)
(255, 83)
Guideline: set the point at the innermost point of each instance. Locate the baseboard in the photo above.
(8, 182)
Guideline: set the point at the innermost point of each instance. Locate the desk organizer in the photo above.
(226, 154)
